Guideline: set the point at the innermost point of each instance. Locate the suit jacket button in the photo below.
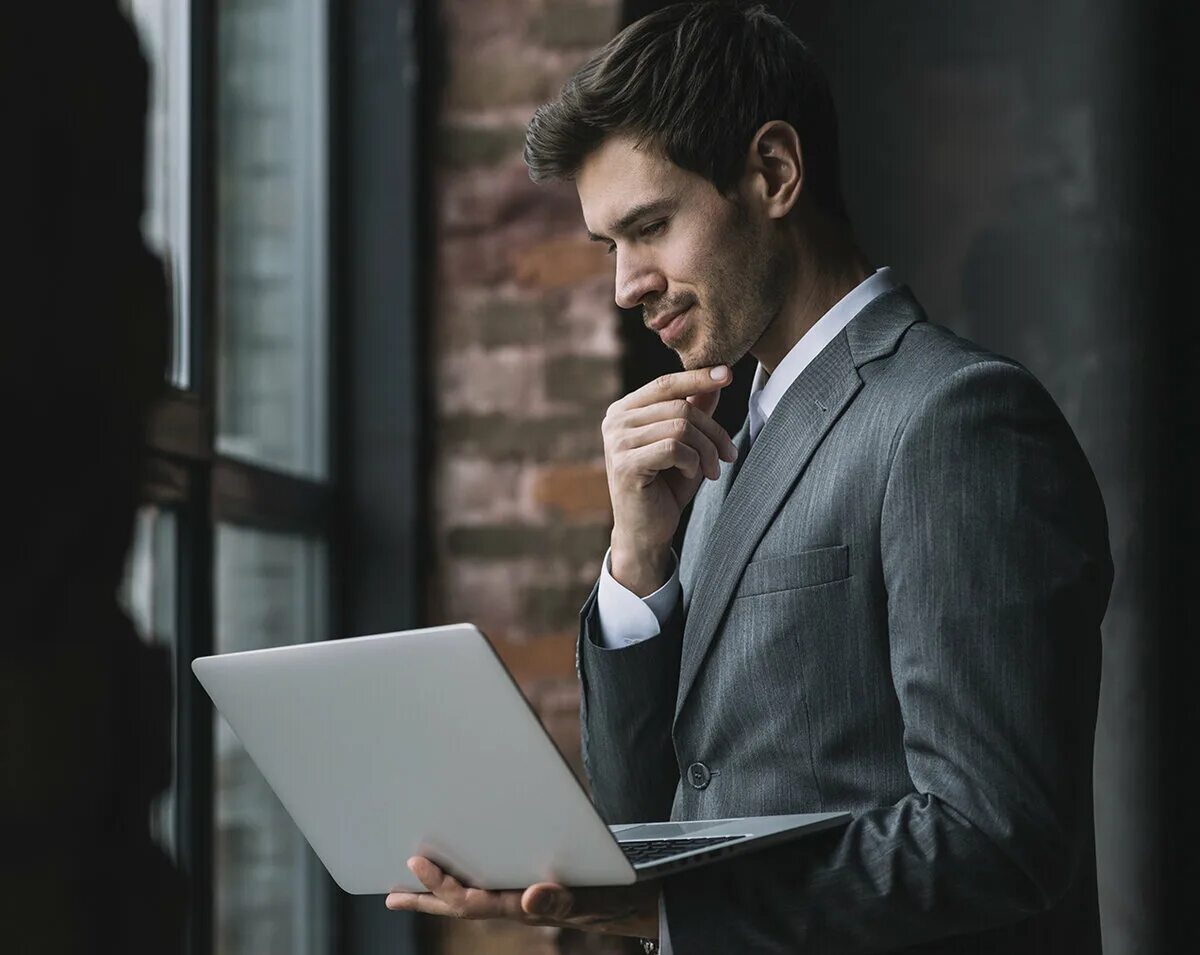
(698, 775)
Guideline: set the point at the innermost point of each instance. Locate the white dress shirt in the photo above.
(625, 617)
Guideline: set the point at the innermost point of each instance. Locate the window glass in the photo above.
(163, 29)
(270, 888)
(148, 594)
(271, 233)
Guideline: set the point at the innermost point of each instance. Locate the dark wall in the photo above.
(1012, 162)
(1027, 169)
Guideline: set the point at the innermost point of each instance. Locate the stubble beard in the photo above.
(744, 298)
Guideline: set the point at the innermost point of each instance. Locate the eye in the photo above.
(653, 229)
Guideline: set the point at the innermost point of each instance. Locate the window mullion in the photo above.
(254, 496)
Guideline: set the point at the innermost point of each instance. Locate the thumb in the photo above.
(553, 903)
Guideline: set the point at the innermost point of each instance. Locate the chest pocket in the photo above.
(806, 569)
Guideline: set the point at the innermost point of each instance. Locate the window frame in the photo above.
(382, 115)
(184, 472)
(380, 128)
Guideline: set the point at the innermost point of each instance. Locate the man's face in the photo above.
(683, 250)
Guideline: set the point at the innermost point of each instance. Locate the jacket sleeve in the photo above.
(995, 557)
(627, 704)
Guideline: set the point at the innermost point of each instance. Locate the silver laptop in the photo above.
(420, 743)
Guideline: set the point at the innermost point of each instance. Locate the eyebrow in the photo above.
(640, 211)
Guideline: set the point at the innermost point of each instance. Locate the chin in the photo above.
(693, 354)
(686, 355)
(692, 358)
(699, 351)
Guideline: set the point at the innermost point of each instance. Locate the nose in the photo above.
(636, 278)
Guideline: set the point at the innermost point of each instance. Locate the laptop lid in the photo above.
(413, 743)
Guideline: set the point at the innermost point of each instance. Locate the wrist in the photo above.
(641, 570)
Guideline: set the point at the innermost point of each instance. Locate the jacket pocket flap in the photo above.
(806, 569)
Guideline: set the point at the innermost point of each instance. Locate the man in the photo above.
(889, 596)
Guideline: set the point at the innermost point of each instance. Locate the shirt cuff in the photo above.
(664, 937)
(626, 618)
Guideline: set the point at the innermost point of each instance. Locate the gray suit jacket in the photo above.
(894, 609)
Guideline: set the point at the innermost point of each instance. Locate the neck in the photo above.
(827, 265)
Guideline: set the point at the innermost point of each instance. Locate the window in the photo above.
(271, 248)
(233, 540)
(270, 590)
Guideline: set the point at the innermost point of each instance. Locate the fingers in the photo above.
(665, 454)
(544, 903)
(665, 426)
(449, 897)
(678, 384)
(419, 902)
(678, 429)
(681, 409)
(706, 402)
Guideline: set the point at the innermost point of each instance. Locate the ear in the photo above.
(775, 168)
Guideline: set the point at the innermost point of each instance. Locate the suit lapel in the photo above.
(777, 459)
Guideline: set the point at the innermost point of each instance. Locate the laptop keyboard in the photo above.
(651, 850)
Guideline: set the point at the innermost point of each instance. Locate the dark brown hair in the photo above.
(696, 80)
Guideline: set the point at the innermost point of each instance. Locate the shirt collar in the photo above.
(767, 390)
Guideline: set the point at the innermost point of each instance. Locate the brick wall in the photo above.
(527, 360)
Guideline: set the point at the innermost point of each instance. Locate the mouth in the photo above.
(670, 327)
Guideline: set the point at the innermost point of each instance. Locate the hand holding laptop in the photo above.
(617, 910)
(481, 791)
